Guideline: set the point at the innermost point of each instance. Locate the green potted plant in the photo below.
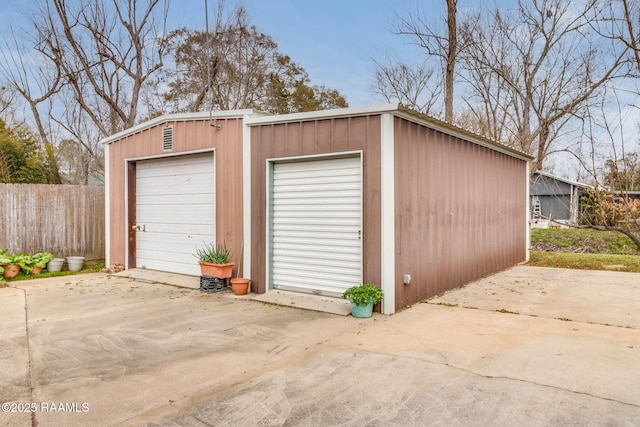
(40, 261)
(214, 260)
(24, 261)
(10, 268)
(362, 299)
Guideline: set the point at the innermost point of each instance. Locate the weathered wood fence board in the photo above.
(61, 219)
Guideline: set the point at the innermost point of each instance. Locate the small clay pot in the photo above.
(11, 270)
(240, 286)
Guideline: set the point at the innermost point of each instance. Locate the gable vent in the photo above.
(167, 138)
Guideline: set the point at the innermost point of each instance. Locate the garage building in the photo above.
(319, 201)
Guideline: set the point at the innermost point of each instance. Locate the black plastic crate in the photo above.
(212, 284)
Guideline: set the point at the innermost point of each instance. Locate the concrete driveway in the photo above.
(529, 346)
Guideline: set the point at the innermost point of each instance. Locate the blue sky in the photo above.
(333, 40)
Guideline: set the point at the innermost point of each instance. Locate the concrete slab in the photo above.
(278, 297)
(602, 297)
(306, 301)
(153, 276)
(139, 353)
(436, 365)
(125, 347)
(14, 356)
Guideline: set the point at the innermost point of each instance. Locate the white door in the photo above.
(316, 222)
(175, 211)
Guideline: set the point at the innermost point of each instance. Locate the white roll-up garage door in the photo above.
(175, 211)
(316, 223)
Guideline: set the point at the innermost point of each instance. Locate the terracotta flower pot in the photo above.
(11, 270)
(221, 271)
(36, 270)
(240, 286)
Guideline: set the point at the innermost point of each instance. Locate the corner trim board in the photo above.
(387, 199)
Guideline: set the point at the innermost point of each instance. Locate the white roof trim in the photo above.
(458, 132)
(399, 111)
(255, 118)
(566, 181)
(322, 114)
(178, 117)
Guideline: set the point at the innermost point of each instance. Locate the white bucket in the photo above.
(55, 264)
(75, 263)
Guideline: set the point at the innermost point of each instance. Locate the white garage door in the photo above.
(175, 211)
(316, 226)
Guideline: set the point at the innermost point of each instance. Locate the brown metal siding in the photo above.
(327, 136)
(187, 136)
(460, 211)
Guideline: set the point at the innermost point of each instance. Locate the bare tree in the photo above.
(416, 87)
(451, 57)
(545, 66)
(92, 57)
(611, 166)
(107, 51)
(36, 83)
(619, 20)
(439, 43)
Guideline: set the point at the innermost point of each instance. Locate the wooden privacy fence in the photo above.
(61, 219)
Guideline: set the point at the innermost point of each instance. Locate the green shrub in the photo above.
(214, 254)
(363, 294)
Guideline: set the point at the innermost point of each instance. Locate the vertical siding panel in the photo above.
(464, 221)
(261, 137)
(189, 135)
(313, 137)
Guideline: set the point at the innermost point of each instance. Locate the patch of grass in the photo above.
(504, 311)
(446, 304)
(582, 261)
(88, 267)
(582, 240)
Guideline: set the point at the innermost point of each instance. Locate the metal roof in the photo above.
(178, 117)
(399, 111)
(566, 181)
(257, 118)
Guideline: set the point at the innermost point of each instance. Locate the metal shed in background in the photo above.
(554, 198)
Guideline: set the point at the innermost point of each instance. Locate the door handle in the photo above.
(139, 228)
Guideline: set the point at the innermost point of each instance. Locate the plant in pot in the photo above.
(24, 261)
(362, 299)
(214, 261)
(240, 285)
(40, 261)
(11, 269)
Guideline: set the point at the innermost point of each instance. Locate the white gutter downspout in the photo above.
(246, 198)
(527, 221)
(107, 207)
(388, 220)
